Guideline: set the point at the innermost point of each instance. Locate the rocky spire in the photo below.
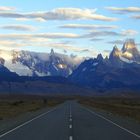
(52, 52)
(100, 57)
(130, 50)
(115, 52)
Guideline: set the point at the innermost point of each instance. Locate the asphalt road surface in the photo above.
(69, 121)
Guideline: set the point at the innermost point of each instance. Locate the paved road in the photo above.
(69, 121)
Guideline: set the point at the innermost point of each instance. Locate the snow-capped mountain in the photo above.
(129, 53)
(26, 63)
(117, 71)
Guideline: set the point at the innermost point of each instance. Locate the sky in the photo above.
(78, 27)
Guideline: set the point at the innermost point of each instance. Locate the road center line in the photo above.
(2, 135)
(70, 126)
(138, 136)
(70, 138)
(70, 119)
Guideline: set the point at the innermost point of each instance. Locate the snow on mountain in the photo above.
(116, 71)
(26, 63)
(129, 53)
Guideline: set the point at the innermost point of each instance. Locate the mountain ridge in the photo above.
(108, 73)
(26, 63)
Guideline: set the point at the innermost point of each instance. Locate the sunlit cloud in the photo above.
(38, 35)
(129, 32)
(5, 9)
(88, 26)
(106, 53)
(60, 14)
(124, 10)
(18, 27)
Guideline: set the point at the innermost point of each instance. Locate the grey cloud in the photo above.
(11, 15)
(96, 39)
(136, 16)
(85, 50)
(117, 42)
(105, 33)
(101, 33)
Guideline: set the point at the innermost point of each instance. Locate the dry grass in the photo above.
(12, 108)
(129, 107)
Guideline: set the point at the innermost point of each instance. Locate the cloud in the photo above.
(56, 35)
(63, 46)
(18, 27)
(136, 16)
(38, 35)
(129, 32)
(85, 50)
(10, 44)
(116, 42)
(88, 26)
(93, 34)
(96, 39)
(4, 8)
(119, 42)
(11, 15)
(60, 14)
(124, 10)
(39, 40)
(106, 53)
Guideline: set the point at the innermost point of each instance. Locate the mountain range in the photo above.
(120, 70)
(25, 63)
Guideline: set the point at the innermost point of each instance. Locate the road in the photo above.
(69, 121)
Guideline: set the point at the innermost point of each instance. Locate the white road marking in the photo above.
(70, 119)
(70, 138)
(70, 126)
(138, 136)
(2, 135)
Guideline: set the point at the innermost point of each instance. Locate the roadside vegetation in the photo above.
(128, 107)
(10, 108)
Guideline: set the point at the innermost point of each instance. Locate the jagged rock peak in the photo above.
(129, 45)
(100, 57)
(115, 52)
(52, 52)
